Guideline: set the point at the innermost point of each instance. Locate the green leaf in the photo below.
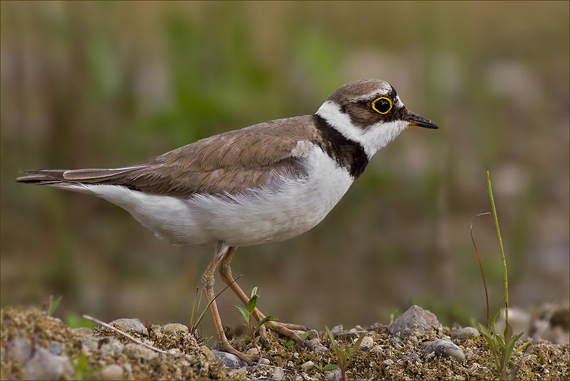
(330, 367)
(484, 331)
(357, 343)
(289, 343)
(54, 306)
(254, 292)
(304, 335)
(244, 313)
(252, 303)
(263, 321)
(331, 337)
(522, 347)
(508, 332)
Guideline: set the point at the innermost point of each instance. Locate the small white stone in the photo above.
(252, 351)
(367, 343)
(278, 374)
(308, 365)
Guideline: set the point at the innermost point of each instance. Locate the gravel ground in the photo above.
(414, 346)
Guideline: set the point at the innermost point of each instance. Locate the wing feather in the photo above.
(231, 162)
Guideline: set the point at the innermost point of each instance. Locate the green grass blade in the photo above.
(54, 306)
(244, 313)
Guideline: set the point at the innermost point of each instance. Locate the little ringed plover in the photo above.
(265, 183)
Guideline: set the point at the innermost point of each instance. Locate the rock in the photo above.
(252, 351)
(414, 322)
(46, 366)
(238, 374)
(396, 342)
(137, 351)
(317, 346)
(208, 353)
(127, 325)
(337, 330)
(388, 362)
(367, 343)
(332, 374)
(175, 328)
(82, 331)
(111, 346)
(313, 334)
(308, 365)
(229, 360)
(376, 349)
(445, 348)
(463, 334)
(20, 349)
(278, 374)
(111, 372)
(88, 344)
(55, 348)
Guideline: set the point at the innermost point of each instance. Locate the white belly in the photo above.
(257, 216)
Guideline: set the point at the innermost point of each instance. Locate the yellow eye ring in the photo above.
(382, 109)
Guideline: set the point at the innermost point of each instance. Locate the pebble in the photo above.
(55, 348)
(313, 334)
(337, 330)
(367, 343)
(208, 353)
(396, 342)
(46, 366)
(252, 351)
(229, 360)
(463, 334)
(332, 374)
(278, 374)
(82, 331)
(317, 345)
(88, 344)
(137, 351)
(112, 372)
(376, 349)
(130, 325)
(112, 347)
(445, 348)
(175, 328)
(388, 362)
(414, 322)
(308, 365)
(238, 374)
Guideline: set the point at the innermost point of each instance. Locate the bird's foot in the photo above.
(249, 359)
(284, 329)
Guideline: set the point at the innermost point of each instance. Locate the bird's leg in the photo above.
(208, 288)
(284, 329)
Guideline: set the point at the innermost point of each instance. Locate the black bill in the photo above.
(418, 120)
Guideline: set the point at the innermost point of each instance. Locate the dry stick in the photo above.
(124, 334)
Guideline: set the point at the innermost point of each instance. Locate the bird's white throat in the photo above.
(372, 138)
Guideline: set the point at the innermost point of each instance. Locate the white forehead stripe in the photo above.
(372, 138)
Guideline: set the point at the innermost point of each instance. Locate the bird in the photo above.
(265, 183)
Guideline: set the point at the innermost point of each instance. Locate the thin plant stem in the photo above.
(481, 266)
(502, 250)
(124, 334)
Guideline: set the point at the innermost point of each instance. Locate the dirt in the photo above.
(91, 354)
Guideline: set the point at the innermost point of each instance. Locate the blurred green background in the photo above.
(89, 84)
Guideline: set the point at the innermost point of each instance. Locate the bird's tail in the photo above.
(73, 179)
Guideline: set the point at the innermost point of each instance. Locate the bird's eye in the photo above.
(382, 105)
